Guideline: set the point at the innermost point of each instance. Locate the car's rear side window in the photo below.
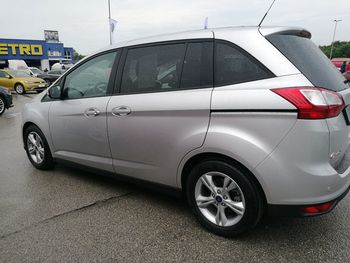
(198, 66)
(154, 68)
(2, 74)
(233, 65)
(310, 60)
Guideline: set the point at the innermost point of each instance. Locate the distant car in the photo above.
(339, 61)
(5, 99)
(33, 71)
(51, 76)
(63, 66)
(21, 81)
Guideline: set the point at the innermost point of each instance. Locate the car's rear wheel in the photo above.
(37, 148)
(223, 198)
(2, 105)
(19, 89)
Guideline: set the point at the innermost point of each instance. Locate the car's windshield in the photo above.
(36, 71)
(20, 74)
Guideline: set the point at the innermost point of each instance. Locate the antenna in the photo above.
(262, 20)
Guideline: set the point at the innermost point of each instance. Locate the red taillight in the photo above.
(313, 103)
(315, 209)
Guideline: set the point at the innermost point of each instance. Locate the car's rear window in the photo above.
(310, 60)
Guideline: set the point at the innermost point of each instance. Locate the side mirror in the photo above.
(8, 77)
(54, 92)
(31, 73)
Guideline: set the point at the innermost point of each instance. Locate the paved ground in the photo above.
(68, 215)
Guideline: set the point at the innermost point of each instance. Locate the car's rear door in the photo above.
(78, 122)
(162, 109)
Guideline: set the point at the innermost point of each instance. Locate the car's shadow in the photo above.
(277, 229)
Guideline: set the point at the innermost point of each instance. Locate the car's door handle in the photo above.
(91, 112)
(121, 111)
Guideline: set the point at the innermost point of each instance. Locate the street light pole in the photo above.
(335, 29)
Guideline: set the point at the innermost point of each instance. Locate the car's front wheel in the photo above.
(223, 198)
(19, 89)
(37, 148)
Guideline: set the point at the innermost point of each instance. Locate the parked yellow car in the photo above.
(21, 81)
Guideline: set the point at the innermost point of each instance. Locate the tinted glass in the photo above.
(233, 65)
(155, 68)
(310, 60)
(90, 79)
(198, 66)
(2, 74)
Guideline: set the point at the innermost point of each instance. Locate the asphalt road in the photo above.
(68, 215)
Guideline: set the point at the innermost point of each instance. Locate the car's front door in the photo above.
(6, 80)
(78, 122)
(159, 116)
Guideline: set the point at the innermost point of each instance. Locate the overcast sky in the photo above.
(83, 24)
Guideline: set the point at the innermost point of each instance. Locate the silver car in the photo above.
(246, 121)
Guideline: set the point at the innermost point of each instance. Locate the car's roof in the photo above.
(205, 33)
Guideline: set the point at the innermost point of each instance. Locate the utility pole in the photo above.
(335, 29)
(109, 22)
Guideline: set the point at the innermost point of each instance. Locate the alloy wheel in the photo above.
(219, 199)
(19, 89)
(2, 106)
(35, 147)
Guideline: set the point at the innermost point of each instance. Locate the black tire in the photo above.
(47, 162)
(19, 88)
(254, 202)
(2, 105)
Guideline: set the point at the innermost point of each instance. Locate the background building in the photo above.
(36, 53)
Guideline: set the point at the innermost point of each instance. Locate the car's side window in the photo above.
(233, 65)
(198, 66)
(90, 79)
(155, 68)
(2, 74)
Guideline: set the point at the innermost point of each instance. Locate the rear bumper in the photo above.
(299, 171)
(297, 210)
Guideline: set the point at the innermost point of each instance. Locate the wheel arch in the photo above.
(200, 157)
(25, 127)
(18, 82)
(5, 101)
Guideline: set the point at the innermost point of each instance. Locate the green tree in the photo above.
(341, 49)
(77, 56)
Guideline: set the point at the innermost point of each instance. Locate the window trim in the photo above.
(122, 61)
(111, 80)
(246, 54)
